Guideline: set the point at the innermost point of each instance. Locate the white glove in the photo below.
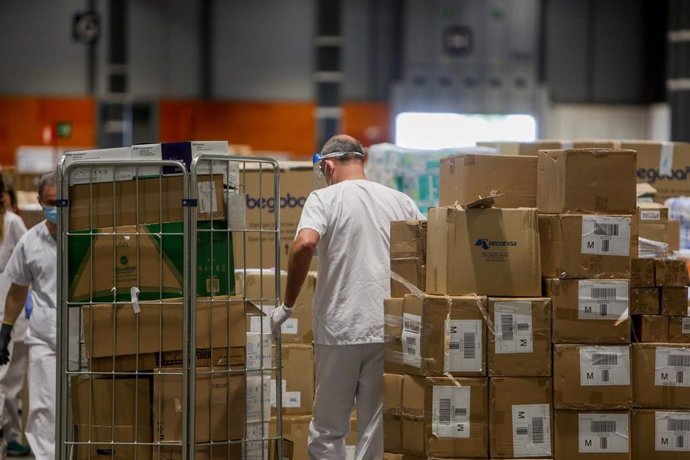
(278, 317)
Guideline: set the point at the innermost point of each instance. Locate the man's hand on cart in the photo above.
(5, 337)
(278, 317)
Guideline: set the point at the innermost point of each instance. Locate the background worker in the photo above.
(347, 224)
(11, 376)
(34, 263)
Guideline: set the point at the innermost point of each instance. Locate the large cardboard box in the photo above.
(664, 165)
(105, 264)
(678, 329)
(652, 221)
(220, 403)
(521, 343)
(143, 201)
(592, 435)
(443, 335)
(296, 183)
(392, 336)
(258, 287)
(445, 417)
(464, 178)
(586, 246)
(298, 379)
(592, 377)
(392, 413)
(520, 414)
(642, 273)
(408, 255)
(112, 410)
(674, 301)
(645, 301)
(671, 272)
(116, 338)
(586, 180)
(671, 434)
(650, 328)
(589, 311)
(483, 251)
(661, 376)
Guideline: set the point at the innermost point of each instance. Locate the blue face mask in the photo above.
(50, 213)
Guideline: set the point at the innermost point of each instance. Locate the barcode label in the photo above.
(603, 300)
(606, 235)
(451, 411)
(604, 365)
(650, 215)
(599, 432)
(532, 430)
(464, 353)
(513, 322)
(685, 326)
(671, 367)
(671, 431)
(411, 339)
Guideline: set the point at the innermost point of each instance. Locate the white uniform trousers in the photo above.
(347, 375)
(11, 385)
(40, 425)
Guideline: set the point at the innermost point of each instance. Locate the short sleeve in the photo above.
(313, 216)
(17, 270)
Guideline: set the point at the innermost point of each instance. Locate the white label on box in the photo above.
(606, 235)
(254, 350)
(601, 366)
(451, 412)
(532, 430)
(85, 174)
(672, 367)
(603, 433)
(291, 326)
(666, 159)
(650, 215)
(237, 212)
(672, 431)
(258, 389)
(411, 340)
(290, 398)
(685, 326)
(604, 300)
(513, 326)
(147, 152)
(464, 351)
(208, 202)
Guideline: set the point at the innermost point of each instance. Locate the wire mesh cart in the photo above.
(161, 355)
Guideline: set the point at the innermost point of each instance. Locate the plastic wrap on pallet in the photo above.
(412, 171)
(650, 249)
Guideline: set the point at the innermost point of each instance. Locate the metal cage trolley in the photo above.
(163, 351)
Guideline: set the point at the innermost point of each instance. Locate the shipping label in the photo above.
(258, 397)
(451, 412)
(291, 399)
(650, 214)
(603, 433)
(672, 367)
(464, 352)
(411, 340)
(604, 366)
(603, 300)
(208, 202)
(513, 326)
(532, 430)
(258, 349)
(606, 235)
(672, 431)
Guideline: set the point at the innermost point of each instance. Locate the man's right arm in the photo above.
(16, 299)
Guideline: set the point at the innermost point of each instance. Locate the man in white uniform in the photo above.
(347, 224)
(34, 263)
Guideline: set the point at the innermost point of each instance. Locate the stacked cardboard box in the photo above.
(586, 198)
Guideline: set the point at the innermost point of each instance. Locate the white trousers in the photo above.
(11, 386)
(347, 375)
(40, 425)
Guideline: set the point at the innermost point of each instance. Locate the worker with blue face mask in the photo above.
(34, 263)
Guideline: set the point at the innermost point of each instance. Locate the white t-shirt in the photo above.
(34, 263)
(13, 229)
(353, 220)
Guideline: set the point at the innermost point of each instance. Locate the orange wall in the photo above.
(22, 120)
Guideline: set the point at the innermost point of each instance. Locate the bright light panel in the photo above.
(433, 131)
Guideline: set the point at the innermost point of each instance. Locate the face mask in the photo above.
(50, 213)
